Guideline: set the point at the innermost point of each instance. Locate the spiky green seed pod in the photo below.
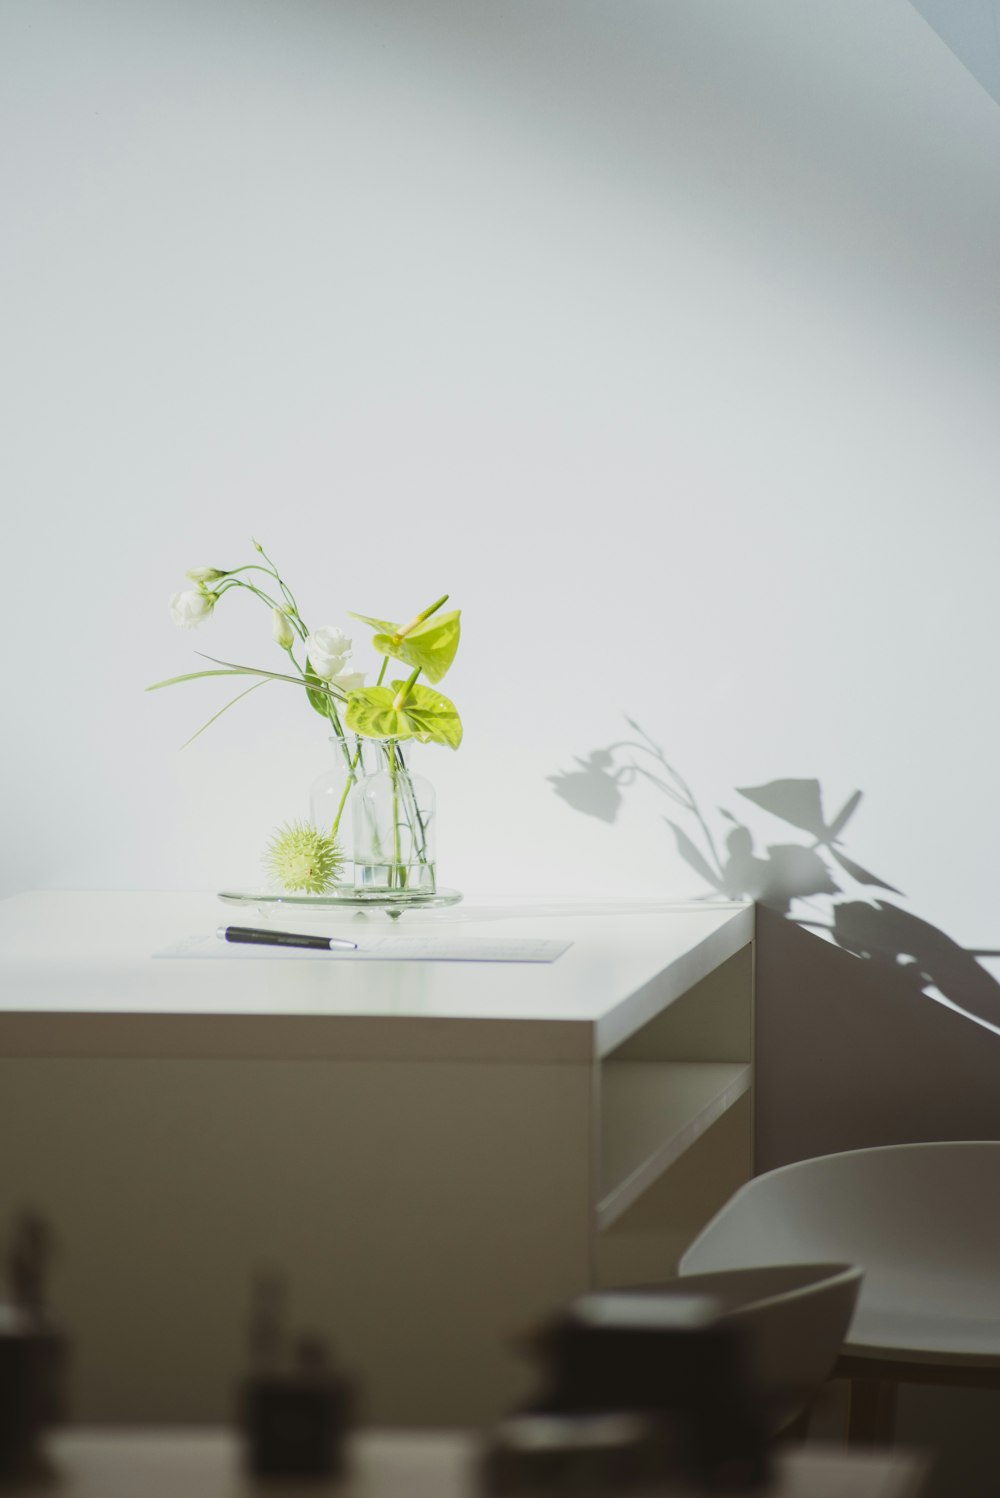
(300, 857)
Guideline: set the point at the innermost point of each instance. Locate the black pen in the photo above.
(254, 935)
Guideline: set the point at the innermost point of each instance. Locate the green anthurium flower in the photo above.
(427, 642)
(386, 713)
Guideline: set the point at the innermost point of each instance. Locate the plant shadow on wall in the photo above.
(915, 955)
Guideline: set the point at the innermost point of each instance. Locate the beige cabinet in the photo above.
(436, 1153)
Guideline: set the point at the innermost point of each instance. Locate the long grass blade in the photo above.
(194, 675)
(297, 681)
(215, 716)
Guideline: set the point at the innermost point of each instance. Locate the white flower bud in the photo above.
(328, 650)
(281, 629)
(202, 575)
(188, 609)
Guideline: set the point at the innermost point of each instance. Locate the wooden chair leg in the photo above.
(872, 1417)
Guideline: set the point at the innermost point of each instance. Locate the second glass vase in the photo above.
(393, 824)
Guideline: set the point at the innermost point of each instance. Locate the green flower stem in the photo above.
(404, 807)
(416, 821)
(259, 593)
(285, 589)
(398, 770)
(292, 612)
(414, 818)
(344, 746)
(331, 712)
(293, 608)
(290, 607)
(252, 567)
(398, 877)
(352, 779)
(381, 674)
(334, 717)
(349, 782)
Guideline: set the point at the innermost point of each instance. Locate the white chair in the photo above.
(795, 1318)
(923, 1221)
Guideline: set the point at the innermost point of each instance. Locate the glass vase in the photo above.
(393, 816)
(332, 792)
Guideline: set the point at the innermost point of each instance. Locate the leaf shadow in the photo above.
(915, 955)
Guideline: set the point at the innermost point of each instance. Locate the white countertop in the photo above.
(78, 976)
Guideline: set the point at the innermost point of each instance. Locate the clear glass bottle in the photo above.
(332, 792)
(393, 815)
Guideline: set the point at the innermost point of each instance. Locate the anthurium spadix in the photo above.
(427, 642)
(404, 710)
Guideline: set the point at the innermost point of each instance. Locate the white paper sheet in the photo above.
(389, 948)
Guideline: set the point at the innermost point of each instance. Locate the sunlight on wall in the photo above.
(662, 336)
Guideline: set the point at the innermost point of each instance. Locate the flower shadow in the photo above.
(916, 956)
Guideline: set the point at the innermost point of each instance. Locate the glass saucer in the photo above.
(393, 901)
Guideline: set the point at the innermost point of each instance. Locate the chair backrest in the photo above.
(795, 1318)
(917, 1218)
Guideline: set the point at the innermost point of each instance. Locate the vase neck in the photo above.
(390, 753)
(365, 754)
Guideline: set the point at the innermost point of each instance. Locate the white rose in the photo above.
(188, 609)
(328, 650)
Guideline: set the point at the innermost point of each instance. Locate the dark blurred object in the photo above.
(580, 1454)
(28, 1262)
(267, 1318)
(296, 1423)
(669, 1365)
(795, 1318)
(33, 1351)
(295, 1419)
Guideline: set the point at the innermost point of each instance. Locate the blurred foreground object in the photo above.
(795, 1318)
(589, 1455)
(295, 1411)
(639, 1389)
(393, 1464)
(32, 1350)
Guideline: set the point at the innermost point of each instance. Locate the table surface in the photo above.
(205, 1464)
(87, 956)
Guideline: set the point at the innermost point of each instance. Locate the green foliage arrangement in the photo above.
(402, 710)
(318, 661)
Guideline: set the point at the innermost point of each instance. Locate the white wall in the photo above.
(663, 335)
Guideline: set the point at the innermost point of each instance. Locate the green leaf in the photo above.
(319, 698)
(431, 645)
(384, 626)
(426, 715)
